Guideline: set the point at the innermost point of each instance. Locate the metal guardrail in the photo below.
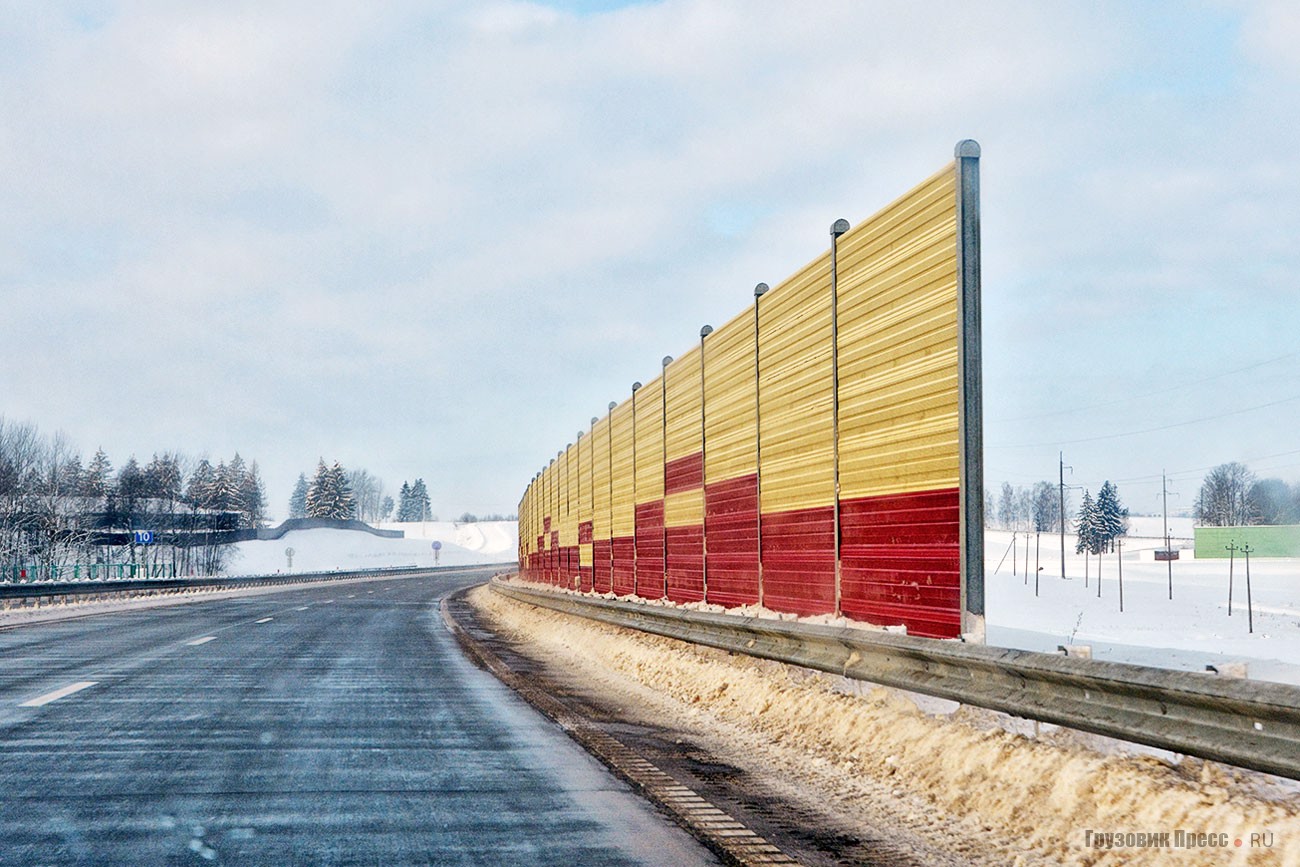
(1250, 724)
(39, 589)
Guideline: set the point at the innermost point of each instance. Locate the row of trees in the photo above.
(55, 510)
(1036, 509)
(1232, 496)
(413, 502)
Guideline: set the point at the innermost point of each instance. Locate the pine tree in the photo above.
(419, 501)
(1090, 534)
(316, 493)
(1111, 515)
(298, 500)
(163, 477)
(96, 479)
(404, 503)
(329, 495)
(252, 496)
(203, 481)
(225, 492)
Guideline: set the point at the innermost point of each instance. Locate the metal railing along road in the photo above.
(1250, 724)
(42, 589)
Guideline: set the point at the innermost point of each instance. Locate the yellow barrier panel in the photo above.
(898, 346)
(601, 479)
(624, 510)
(794, 337)
(650, 442)
(730, 417)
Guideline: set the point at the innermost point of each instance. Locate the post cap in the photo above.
(967, 147)
(839, 227)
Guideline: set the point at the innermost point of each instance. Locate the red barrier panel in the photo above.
(624, 550)
(799, 561)
(685, 563)
(601, 574)
(731, 510)
(650, 550)
(900, 562)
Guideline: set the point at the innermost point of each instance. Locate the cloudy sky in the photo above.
(433, 239)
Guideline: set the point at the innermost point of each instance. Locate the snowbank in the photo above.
(958, 788)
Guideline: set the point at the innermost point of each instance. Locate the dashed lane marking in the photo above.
(304, 608)
(204, 640)
(58, 693)
(264, 620)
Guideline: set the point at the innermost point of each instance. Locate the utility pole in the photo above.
(1063, 468)
(1164, 495)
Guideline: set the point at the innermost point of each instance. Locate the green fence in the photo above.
(1264, 541)
(88, 572)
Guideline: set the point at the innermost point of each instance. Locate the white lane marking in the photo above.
(352, 596)
(304, 608)
(204, 640)
(58, 693)
(327, 602)
(264, 620)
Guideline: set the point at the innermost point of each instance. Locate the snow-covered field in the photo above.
(326, 550)
(1189, 632)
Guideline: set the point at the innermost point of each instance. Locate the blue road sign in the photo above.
(144, 537)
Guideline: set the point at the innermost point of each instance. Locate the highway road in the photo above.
(335, 724)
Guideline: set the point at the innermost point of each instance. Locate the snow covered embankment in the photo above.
(957, 787)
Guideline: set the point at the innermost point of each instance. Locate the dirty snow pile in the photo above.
(957, 787)
(325, 550)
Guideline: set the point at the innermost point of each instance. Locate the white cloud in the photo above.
(454, 209)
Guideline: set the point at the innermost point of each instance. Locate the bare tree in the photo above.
(1225, 497)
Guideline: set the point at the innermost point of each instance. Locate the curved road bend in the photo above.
(329, 725)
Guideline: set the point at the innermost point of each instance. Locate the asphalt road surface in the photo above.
(329, 725)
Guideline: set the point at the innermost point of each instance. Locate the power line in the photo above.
(1203, 469)
(1144, 395)
(1147, 430)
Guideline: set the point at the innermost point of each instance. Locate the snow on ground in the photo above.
(327, 550)
(943, 789)
(1189, 632)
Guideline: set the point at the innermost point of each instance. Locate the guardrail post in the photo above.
(970, 384)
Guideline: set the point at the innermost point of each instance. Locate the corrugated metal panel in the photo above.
(565, 518)
(799, 560)
(600, 516)
(901, 561)
(624, 506)
(624, 556)
(684, 509)
(685, 563)
(898, 346)
(732, 564)
(729, 417)
(650, 442)
(794, 332)
(684, 474)
(682, 381)
(650, 549)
